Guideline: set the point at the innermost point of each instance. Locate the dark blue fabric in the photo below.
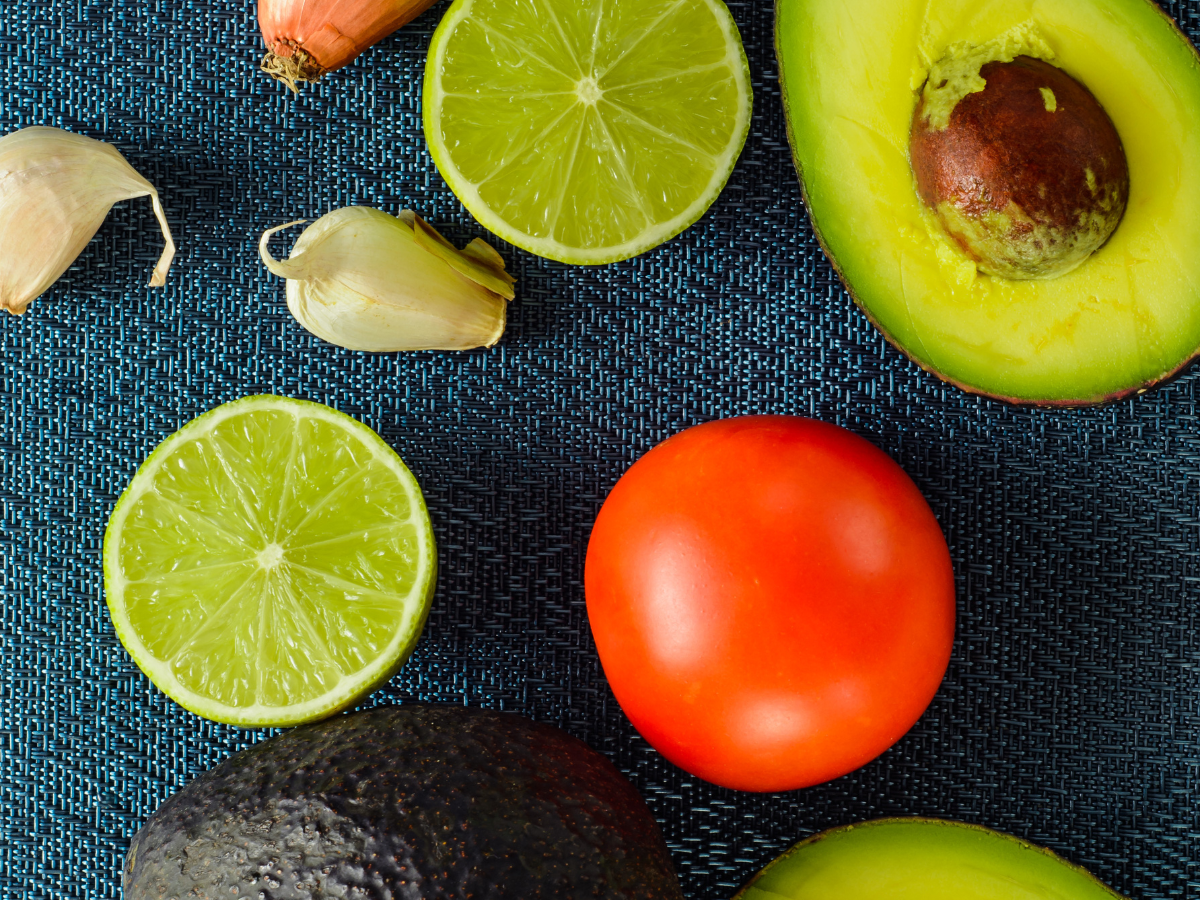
(1070, 712)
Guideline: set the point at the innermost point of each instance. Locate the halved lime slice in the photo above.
(271, 563)
(586, 131)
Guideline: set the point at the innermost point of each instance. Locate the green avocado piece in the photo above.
(921, 859)
(414, 802)
(1128, 317)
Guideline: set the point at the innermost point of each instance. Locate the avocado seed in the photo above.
(1028, 176)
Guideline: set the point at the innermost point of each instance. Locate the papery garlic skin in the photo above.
(363, 280)
(55, 190)
(307, 38)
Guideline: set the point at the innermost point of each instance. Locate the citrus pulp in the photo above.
(586, 131)
(270, 563)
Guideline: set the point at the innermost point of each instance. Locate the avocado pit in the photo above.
(1028, 175)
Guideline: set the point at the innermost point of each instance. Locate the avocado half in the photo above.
(921, 859)
(1127, 319)
(413, 801)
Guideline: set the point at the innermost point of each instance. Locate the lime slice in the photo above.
(586, 130)
(270, 563)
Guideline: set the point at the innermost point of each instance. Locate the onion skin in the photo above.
(307, 38)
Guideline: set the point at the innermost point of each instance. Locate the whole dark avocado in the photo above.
(406, 802)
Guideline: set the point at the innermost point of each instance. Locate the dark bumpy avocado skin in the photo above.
(406, 802)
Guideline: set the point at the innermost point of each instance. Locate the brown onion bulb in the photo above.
(307, 38)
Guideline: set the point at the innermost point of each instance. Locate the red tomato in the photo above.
(772, 600)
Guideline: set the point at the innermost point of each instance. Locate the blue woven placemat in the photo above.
(1070, 712)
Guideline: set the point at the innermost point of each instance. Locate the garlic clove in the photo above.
(485, 267)
(56, 189)
(361, 279)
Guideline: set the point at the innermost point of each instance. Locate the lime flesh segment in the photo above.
(587, 131)
(270, 563)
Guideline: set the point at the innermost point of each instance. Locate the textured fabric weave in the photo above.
(1069, 715)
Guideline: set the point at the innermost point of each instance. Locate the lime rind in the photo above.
(541, 169)
(350, 686)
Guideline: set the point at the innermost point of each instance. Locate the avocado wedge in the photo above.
(1121, 321)
(921, 859)
(419, 802)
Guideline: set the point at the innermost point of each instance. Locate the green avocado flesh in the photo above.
(921, 859)
(419, 802)
(1124, 320)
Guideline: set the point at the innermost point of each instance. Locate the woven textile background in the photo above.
(1071, 711)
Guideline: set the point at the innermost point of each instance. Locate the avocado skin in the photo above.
(406, 802)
